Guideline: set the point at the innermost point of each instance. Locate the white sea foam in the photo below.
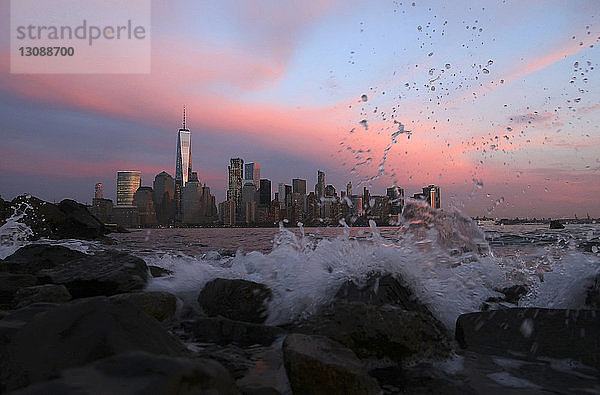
(304, 273)
(14, 234)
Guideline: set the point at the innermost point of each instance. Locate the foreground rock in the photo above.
(137, 373)
(316, 364)
(380, 290)
(48, 293)
(105, 273)
(592, 298)
(376, 332)
(224, 331)
(160, 305)
(239, 300)
(40, 341)
(67, 220)
(10, 284)
(533, 332)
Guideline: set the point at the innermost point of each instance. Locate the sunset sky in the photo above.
(501, 98)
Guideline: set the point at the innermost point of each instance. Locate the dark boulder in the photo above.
(555, 224)
(48, 293)
(380, 290)
(592, 298)
(156, 271)
(160, 305)
(32, 258)
(533, 332)
(10, 283)
(224, 331)
(41, 340)
(316, 364)
(239, 300)
(105, 273)
(379, 331)
(67, 220)
(141, 373)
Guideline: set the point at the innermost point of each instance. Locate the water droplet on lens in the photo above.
(490, 62)
(447, 65)
(364, 98)
(432, 87)
(485, 71)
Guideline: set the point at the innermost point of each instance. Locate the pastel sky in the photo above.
(501, 98)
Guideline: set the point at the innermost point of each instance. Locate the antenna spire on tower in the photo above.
(184, 116)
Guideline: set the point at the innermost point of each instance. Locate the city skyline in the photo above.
(499, 122)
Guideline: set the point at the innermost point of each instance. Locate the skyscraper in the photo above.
(299, 186)
(183, 165)
(127, 183)
(252, 174)
(264, 192)
(98, 191)
(320, 186)
(396, 195)
(235, 177)
(164, 192)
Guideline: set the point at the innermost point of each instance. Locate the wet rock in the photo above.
(224, 331)
(41, 340)
(142, 373)
(35, 257)
(239, 300)
(316, 364)
(380, 331)
(48, 293)
(67, 220)
(156, 271)
(592, 298)
(511, 298)
(160, 305)
(105, 273)
(381, 290)
(555, 224)
(10, 283)
(533, 332)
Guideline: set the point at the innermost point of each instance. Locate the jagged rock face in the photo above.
(40, 341)
(239, 300)
(47, 293)
(533, 332)
(380, 331)
(159, 305)
(142, 373)
(316, 364)
(221, 330)
(105, 273)
(67, 220)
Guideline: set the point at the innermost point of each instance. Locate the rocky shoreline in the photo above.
(79, 323)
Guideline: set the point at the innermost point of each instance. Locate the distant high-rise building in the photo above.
(164, 193)
(264, 192)
(330, 191)
(431, 194)
(281, 193)
(235, 176)
(183, 164)
(320, 186)
(249, 193)
(197, 202)
(98, 191)
(299, 186)
(396, 196)
(252, 174)
(143, 200)
(127, 183)
(349, 189)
